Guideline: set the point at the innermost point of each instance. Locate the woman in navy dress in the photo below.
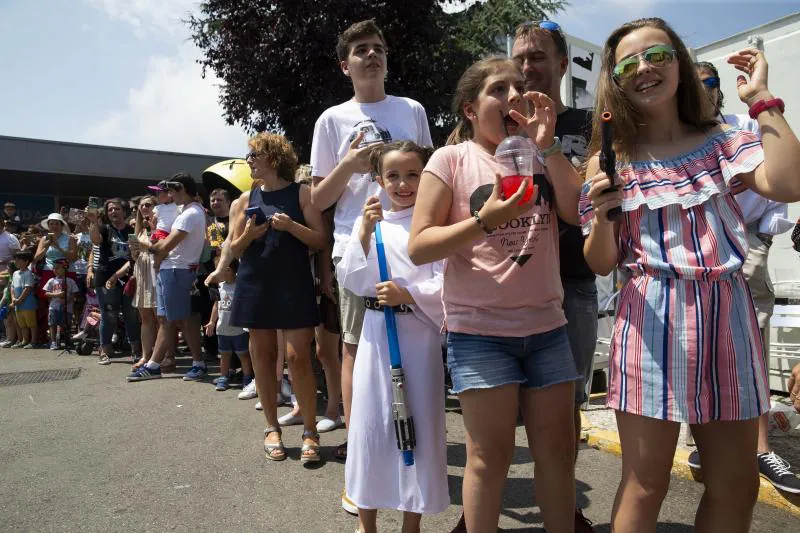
(274, 287)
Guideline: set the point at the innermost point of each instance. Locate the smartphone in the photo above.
(261, 218)
(94, 204)
(51, 237)
(131, 237)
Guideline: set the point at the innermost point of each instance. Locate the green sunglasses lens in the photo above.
(658, 56)
(626, 69)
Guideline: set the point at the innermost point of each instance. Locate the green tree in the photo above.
(484, 25)
(277, 60)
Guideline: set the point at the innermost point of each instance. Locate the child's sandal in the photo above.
(309, 453)
(275, 451)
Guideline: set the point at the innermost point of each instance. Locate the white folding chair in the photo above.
(782, 338)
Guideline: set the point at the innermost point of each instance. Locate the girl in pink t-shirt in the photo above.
(507, 342)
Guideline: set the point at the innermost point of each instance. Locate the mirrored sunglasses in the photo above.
(711, 83)
(658, 56)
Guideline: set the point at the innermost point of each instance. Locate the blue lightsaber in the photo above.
(403, 421)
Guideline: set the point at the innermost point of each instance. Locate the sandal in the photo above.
(274, 450)
(341, 452)
(309, 453)
(168, 362)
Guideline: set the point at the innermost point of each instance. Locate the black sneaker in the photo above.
(694, 460)
(776, 470)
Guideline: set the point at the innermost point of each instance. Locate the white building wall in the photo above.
(780, 41)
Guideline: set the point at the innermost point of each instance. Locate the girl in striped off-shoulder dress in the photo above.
(686, 345)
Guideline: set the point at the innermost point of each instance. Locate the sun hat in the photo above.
(55, 216)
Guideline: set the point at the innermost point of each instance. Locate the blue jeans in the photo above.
(581, 309)
(111, 300)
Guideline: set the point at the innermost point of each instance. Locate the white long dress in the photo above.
(375, 475)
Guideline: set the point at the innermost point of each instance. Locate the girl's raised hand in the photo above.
(752, 62)
(541, 126)
(372, 214)
(497, 211)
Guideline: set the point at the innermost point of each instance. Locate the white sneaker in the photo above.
(258, 406)
(249, 392)
(329, 424)
(290, 420)
(6, 344)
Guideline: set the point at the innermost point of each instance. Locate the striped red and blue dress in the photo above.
(686, 346)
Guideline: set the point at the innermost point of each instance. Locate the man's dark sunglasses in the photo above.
(711, 83)
(251, 155)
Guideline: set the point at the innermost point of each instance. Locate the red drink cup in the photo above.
(511, 185)
(516, 156)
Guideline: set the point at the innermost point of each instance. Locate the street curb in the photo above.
(608, 441)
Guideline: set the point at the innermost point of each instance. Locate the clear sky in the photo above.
(123, 72)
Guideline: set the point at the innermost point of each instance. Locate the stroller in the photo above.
(88, 338)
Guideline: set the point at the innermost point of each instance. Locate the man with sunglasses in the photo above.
(181, 251)
(764, 219)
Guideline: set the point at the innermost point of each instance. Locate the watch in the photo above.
(555, 148)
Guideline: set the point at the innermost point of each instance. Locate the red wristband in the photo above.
(762, 105)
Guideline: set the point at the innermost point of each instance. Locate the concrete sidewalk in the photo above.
(600, 432)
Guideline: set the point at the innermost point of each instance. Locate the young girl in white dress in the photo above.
(376, 476)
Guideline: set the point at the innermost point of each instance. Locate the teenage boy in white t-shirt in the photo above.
(181, 252)
(370, 117)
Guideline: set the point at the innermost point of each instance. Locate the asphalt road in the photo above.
(98, 454)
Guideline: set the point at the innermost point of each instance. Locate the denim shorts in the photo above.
(55, 317)
(236, 343)
(173, 295)
(485, 362)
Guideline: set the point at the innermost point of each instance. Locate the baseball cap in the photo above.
(161, 186)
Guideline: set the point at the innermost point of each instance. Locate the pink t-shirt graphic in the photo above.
(507, 283)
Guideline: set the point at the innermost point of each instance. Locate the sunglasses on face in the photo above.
(658, 56)
(711, 83)
(251, 155)
(145, 205)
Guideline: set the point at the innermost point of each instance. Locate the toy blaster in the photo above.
(608, 160)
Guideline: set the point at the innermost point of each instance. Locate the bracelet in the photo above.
(481, 224)
(762, 105)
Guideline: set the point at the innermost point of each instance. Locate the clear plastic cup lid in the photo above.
(515, 143)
